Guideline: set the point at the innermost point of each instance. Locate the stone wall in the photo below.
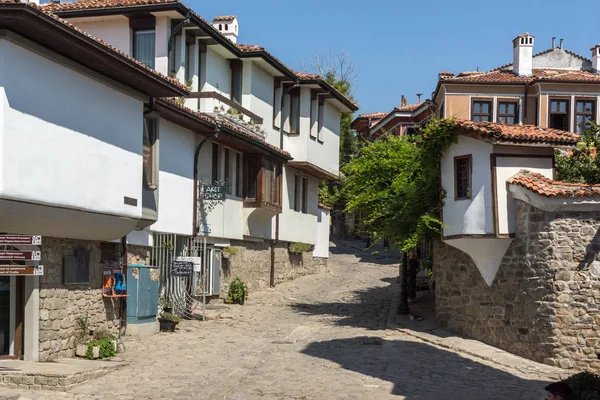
(252, 263)
(543, 303)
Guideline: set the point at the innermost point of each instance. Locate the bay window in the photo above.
(262, 182)
(295, 111)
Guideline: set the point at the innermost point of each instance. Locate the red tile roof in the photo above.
(518, 134)
(91, 4)
(212, 119)
(45, 10)
(539, 75)
(546, 187)
(249, 47)
(307, 76)
(408, 107)
(373, 115)
(224, 18)
(324, 207)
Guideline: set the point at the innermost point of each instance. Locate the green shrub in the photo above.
(170, 317)
(586, 385)
(300, 247)
(231, 250)
(107, 348)
(238, 291)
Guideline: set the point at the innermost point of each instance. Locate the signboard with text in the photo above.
(18, 270)
(213, 192)
(17, 240)
(18, 255)
(182, 268)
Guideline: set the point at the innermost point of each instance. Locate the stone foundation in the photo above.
(543, 303)
(62, 303)
(252, 263)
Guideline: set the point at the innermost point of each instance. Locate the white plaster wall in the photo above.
(472, 216)
(161, 45)
(218, 74)
(325, 153)
(322, 241)
(507, 167)
(486, 253)
(296, 226)
(57, 147)
(262, 85)
(113, 30)
(297, 144)
(176, 179)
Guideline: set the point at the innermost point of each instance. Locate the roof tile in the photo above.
(547, 187)
(224, 18)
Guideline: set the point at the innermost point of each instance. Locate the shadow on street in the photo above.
(421, 371)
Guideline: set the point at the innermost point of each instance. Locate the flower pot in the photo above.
(166, 325)
(81, 350)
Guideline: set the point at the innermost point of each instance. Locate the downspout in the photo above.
(524, 122)
(196, 155)
(274, 242)
(124, 299)
(174, 30)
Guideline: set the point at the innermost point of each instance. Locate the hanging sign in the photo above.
(213, 192)
(14, 255)
(15, 240)
(182, 268)
(18, 270)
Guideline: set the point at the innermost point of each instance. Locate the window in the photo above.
(149, 153)
(295, 111)
(236, 81)
(215, 163)
(559, 115)
(507, 112)
(239, 175)
(143, 46)
(276, 100)
(411, 130)
(584, 114)
(300, 194)
(109, 252)
(482, 111)
(227, 178)
(189, 58)
(297, 188)
(262, 182)
(320, 117)
(313, 100)
(304, 194)
(76, 267)
(462, 177)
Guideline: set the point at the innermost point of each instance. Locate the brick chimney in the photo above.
(228, 26)
(523, 55)
(596, 59)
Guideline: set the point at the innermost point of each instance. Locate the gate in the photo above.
(185, 290)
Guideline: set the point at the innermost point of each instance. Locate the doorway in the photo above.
(11, 316)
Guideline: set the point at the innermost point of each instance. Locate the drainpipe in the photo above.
(274, 242)
(174, 30)
(124, 299)
(196, 154)
(524, 122)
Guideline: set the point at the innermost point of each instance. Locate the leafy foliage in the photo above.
(231, 250)
(300, 247)
(581, 165)
(395, 184)
(171, 317)
(238, 291)
(107, 348)
(586, 385)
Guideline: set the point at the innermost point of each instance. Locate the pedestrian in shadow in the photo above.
(413, 269)
(559, 391)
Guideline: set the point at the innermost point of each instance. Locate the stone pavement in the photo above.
(318, 337)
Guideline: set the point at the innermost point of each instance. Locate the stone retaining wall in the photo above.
(252, 263)
(543, 303)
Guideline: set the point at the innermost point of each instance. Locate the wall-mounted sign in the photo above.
(213, 192)
(182, 268)
(15, 240)
(13, 255)
(14, 270)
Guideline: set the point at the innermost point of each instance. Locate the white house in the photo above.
(479, 210)
(70, 171)
(270, 153)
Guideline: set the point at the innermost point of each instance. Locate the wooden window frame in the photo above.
(295, 94)
(150, 153)
(261, 163)
(592, 114)
(237, 66)
(490, 114)
(469, 194)
(567, 112)
(314, 97)
(515, 116)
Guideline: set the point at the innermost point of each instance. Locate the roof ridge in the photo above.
(547, 187)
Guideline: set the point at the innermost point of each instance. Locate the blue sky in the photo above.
(400, 46)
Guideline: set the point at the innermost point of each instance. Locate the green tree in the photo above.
(395, 184)
(582, 164)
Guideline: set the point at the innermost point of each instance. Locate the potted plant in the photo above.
(165, 304)
(168, 321)
(238, 291)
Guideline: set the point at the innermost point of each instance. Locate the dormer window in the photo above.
(462, 177)
(236, 80)
(143, 46)
(481, 110)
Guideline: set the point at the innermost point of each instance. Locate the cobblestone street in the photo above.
(318, 337)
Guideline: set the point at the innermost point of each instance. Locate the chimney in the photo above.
(403, 102)
(228, 26)
(523, 55)
(596, 59)
(553, 42)
(419, 97)
(561, 43)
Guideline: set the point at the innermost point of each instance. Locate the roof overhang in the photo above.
(554, 203)
(312, 169)
(44, 30)
(206, 125)
(345, 104)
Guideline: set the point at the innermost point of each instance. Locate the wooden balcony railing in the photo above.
(228, 102)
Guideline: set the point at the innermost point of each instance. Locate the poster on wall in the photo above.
(21, 270)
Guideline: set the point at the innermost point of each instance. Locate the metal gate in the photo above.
(186, 292)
